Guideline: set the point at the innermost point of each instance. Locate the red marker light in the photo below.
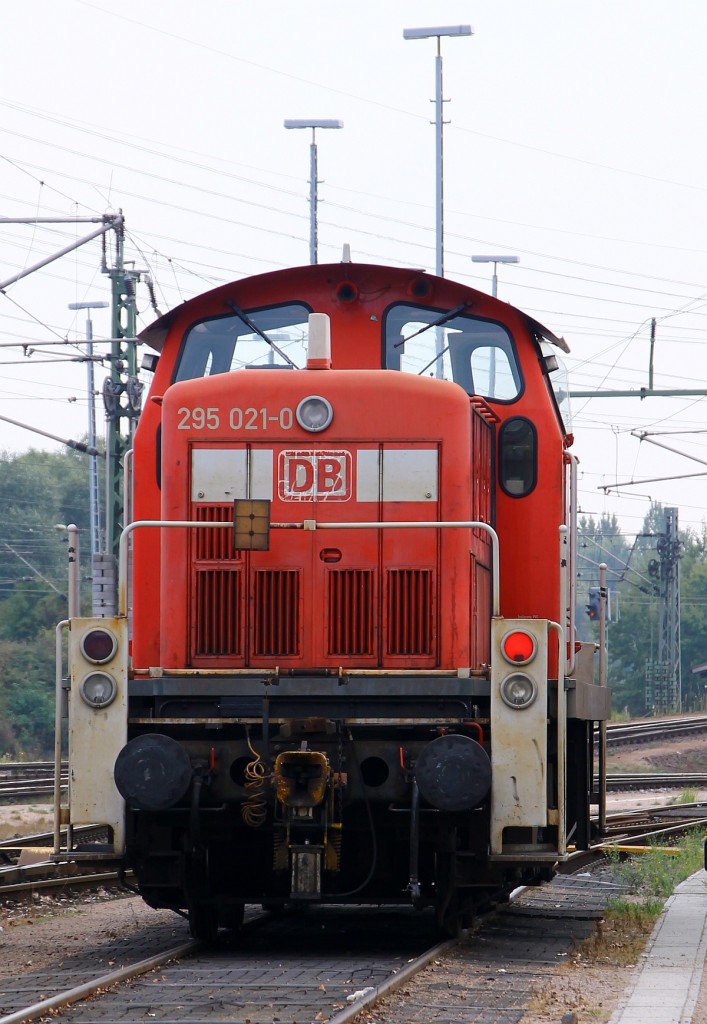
(518, 647)
(99, 646)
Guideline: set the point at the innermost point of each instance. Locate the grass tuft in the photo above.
(688, 796)
(655, 873)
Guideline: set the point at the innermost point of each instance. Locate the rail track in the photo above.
(654, 730)
(319, 965)
(262, 974)
(327, 964)
(21, 781)
(655, 780)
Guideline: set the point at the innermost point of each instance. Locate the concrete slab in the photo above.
(666, 983)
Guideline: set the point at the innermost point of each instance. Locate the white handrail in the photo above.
(306, 524)
(561, 738)
(61, 626)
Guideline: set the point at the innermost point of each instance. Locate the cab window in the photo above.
(476, 354)
(225, 343)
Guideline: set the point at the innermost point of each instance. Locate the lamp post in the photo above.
(313, 176)
(94, 513)
(425, 33)
(495, 260)
(494, 291)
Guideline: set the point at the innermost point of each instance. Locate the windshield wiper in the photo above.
(254, 327)
(433, 361)
(435, 323)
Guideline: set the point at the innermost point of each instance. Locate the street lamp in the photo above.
(437, 32)
(313, 176)
(94, 513)
(495, 260)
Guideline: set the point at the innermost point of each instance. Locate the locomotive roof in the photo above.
(155, 334)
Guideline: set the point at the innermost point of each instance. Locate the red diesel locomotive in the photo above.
(343, 668)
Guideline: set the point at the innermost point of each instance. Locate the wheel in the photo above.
(203, 922)
(231, 916)
(454, 918)
(454, 907)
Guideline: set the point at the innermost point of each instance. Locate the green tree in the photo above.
(27, 697)
(632, 635)
(634, 575)
(37, 491)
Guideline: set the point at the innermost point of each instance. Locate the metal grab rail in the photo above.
(58, 682)
(306, 524)
(561, 737)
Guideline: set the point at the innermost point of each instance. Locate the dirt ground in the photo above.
(31, 930)
(685, 754)
(25, 819)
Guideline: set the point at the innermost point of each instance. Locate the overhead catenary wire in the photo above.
(183, 277)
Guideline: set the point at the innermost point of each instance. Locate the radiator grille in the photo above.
(217, 619)
(409, 612)
(216, 544)
(350, 612)
(276, 616)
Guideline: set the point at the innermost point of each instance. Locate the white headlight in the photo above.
(98, 689)
(314, 413)
(518, 690)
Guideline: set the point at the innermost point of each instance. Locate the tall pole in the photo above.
(439, 164)
(669, 612)
(313, 180)
(93, 465)
(122, 389)
(603, 681)
(94, 504)
(313, 245)
(663, 673)
(437, 33)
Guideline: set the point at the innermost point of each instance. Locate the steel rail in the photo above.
(390, 984)
(89, 988)
(87, 832)
(29, 789)
(59, 882)
(394, 982)
(658, 810)
(644, 732)
(657, 780)
(357, 1006)
(644, 838)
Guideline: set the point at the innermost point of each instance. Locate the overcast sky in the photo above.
(575, 141)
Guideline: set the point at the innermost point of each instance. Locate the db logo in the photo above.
(325, 476)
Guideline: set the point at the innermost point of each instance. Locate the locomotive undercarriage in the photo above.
(298, 805)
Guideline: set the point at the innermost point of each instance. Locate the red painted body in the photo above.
(373, 409)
